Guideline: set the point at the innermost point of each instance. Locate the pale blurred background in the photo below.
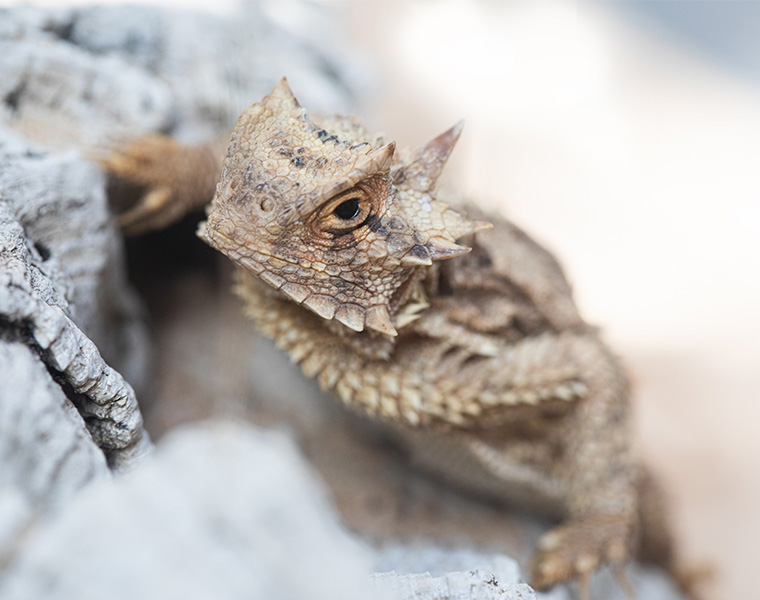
(625, 137)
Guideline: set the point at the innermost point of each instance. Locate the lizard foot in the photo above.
(156, 209)
(575, 550)
(173, 180)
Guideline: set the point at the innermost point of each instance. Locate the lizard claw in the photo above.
(155, 210)
(622, 579)
(576, 550)
(172, 178)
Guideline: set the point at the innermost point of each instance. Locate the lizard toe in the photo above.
(576, 550)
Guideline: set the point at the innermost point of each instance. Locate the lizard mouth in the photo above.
(219, 241)
(351, 314)
(239, 253)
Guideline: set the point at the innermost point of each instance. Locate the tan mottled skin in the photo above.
(480, 364)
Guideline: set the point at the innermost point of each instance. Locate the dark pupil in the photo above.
(347, 210)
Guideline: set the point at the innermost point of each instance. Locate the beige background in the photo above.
(638, 162)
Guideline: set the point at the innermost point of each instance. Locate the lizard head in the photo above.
(330, 215)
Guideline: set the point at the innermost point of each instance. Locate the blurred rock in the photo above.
(226, 511)
(416, 558)
(64, 412)
(442, 572)
(62, 95)
(60, 263)
(46, 452)
(94, 76)
(428, 572)
(470, 585)
(216, 66)
(219, 511)
(87, 78)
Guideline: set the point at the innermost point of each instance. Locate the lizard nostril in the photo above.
(266, 205)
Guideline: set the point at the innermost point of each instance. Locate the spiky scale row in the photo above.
(378, 318)
(324, 306)
(390, 393)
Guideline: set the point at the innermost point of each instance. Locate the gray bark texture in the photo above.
(88, 509)
(44, 257)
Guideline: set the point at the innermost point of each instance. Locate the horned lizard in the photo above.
(460, 334)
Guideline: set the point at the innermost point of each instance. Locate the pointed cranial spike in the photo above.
(441, 248)
(282, 94)
(384, 155)
(417, 255)
(459, 225)
(324, 306)
(430, 159)
(351, 315)
(437, 151)
(379, 319)
(583, 581)
(415, 261)
(376, 161)
(481, 226)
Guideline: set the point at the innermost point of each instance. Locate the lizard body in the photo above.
(460, 336)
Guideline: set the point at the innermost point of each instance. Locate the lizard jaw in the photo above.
(353, 316)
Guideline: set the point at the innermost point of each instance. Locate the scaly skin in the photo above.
(480, 364)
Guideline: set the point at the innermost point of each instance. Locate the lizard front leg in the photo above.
(174, 179)
(601, 478)
(595, 461)
(581, 457)
(542, 422)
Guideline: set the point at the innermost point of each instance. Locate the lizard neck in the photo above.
(368, 372)
(301, 333)
(343, 362)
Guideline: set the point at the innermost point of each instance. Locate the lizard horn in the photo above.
(430, 159)
(282, 94)
(376, 161)
(459, 225)
(441, 248)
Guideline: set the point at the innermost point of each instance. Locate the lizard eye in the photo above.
(348, 209)
(346, 212)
